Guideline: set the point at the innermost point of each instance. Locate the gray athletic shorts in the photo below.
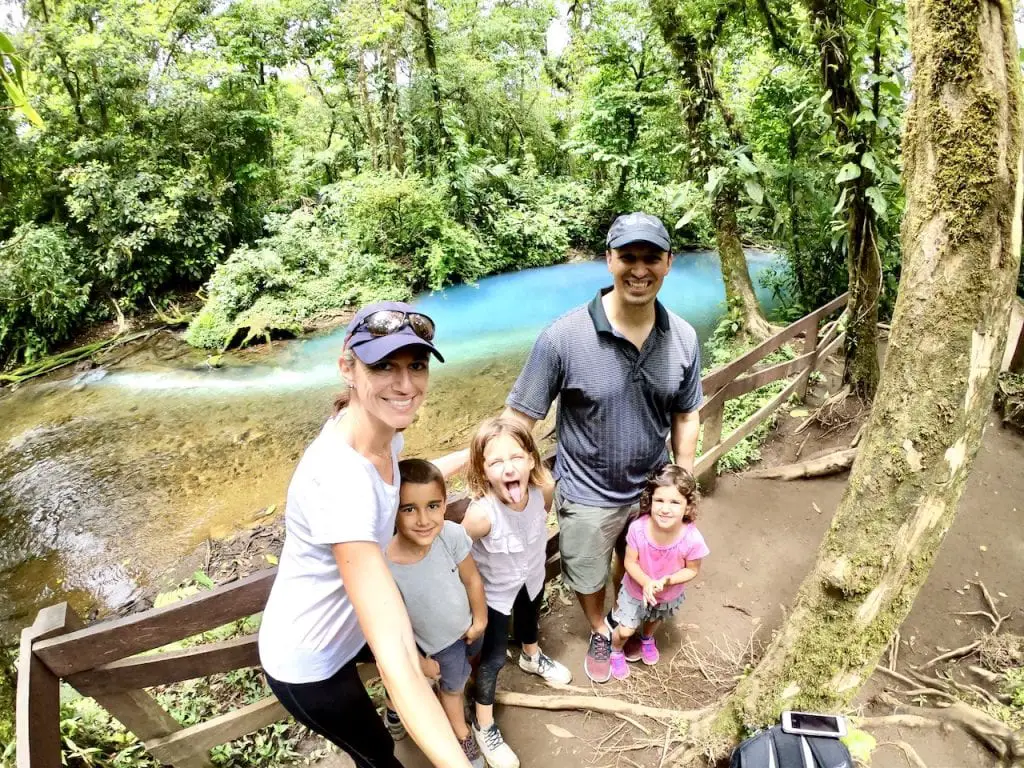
(586, 538)
(454, 663)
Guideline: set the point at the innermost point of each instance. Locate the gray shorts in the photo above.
(633, 613)
(454, 663)
(586, 538)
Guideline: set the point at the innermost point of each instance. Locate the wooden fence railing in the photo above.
(102, 661)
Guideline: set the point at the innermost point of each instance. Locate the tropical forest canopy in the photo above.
(287, 158)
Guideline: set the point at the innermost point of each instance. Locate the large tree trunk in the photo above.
(442, 143)
(739, 290)
(865, 270)
(694, 55)
(961, 244)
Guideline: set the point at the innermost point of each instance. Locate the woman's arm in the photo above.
(382, 616)
(452, 463)
(474, 584)
(685, 574)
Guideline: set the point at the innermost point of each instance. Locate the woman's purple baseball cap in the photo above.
(372, 349)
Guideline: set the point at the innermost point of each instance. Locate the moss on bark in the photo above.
(961, 245)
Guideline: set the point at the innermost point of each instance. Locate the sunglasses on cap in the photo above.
(384, 322)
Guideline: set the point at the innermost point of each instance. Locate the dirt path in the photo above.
(763, 537)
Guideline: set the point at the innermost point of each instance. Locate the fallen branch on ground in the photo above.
(603, 704)
(829, 464)
(69, 357)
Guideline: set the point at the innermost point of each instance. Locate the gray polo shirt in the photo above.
(616, 405)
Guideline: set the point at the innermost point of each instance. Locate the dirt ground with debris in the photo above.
(763, 536)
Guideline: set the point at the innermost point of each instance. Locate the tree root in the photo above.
(909, 752)
(607, 705)
(829, 464)
(997, 736)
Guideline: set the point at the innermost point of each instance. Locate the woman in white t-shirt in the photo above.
(334, 600)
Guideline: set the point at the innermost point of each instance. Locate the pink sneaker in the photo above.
(649, 651)
(620, 669)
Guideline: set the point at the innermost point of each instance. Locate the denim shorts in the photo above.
(633, 613)
(454, 663)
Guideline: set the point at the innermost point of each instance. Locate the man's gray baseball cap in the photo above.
(638, 227)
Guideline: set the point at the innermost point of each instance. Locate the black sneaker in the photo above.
(394, 724)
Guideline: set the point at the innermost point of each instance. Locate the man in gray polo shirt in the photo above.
(627, 372)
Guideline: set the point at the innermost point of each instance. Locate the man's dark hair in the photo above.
(420, 472)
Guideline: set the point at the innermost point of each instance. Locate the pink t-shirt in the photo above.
(660, 561)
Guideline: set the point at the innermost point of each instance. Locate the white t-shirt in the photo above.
(309, 628)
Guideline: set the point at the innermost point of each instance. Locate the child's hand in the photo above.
(431, 669)
(475, 630)
(651, 591)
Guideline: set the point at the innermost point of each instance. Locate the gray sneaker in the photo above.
(492, 745)
(472, 751)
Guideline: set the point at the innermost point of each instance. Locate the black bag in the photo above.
(776, 749)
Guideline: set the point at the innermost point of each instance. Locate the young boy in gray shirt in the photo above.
(443, 592)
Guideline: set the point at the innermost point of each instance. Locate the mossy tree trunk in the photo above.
(961, 243)
(864, 268)
(694, 55)
(739, 289)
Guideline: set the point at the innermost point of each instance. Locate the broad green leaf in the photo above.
(18, 100)
(715, 178)
(755, 190)
(745, 164)
(868, 161)
(202, 580)
(878, 201)
(848, 172)
(842, 202)
(686, 218)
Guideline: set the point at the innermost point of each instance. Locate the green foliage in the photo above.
(321, 153)
(151, 225)
(8, 684)
(43, 290)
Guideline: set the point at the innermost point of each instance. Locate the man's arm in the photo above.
(685, 429)
(512, 413)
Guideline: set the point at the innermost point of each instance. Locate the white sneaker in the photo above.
(546, 667)
(492, 745)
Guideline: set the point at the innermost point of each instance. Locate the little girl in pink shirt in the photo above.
(664, 550)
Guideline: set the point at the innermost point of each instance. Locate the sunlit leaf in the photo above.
(755, 190)
(848, 172)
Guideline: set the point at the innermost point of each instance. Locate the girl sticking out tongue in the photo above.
(507, 521)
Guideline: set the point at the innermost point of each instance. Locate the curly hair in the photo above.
(672, 476)
(489, 429)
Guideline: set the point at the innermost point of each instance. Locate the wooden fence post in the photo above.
(37, 710)
(810, 346)
(712, 435)
(135, 710)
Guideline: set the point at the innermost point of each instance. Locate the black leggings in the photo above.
(340, 710)
(525, 613)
